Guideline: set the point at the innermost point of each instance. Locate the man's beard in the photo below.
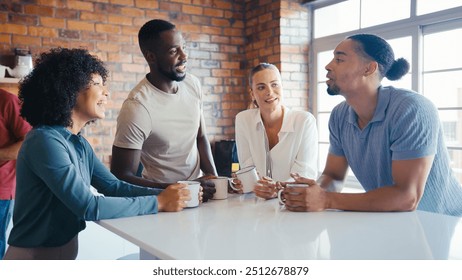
(172, 75)
(333, 90)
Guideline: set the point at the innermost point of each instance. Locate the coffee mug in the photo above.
(288, 187)
(221, 187)
(248, 177)
(194, 189)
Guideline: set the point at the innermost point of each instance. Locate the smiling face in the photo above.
(170, 55)
(266, 88)
(91, 102)
(345, 72)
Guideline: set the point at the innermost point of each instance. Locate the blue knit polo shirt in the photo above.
(405, 126)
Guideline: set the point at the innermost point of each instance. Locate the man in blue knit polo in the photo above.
(390, 138)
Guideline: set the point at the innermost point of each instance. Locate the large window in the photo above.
(427, 33)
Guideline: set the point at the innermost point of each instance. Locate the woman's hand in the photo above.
(302, 180)
(267, 188)
(237, 184)
(173, 198)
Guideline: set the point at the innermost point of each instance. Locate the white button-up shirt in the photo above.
(296, 151)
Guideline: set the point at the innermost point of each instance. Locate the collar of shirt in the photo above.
(65, 132)
(382, 104)
(75, 140)
(287, 124)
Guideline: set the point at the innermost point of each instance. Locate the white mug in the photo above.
(194, 189)
(248, 177)
(221, 187)
(282, 200)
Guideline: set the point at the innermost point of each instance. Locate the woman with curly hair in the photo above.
(56, 166)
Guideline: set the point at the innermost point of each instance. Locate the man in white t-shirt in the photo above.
(161, 123)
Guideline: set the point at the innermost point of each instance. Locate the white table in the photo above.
(244, 227)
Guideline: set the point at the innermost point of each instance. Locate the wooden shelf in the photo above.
(9, 80)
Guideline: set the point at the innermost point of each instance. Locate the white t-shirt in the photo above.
(164, 127)
(296, 151)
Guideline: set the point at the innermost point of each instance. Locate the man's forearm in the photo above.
(329, 184)
(140, 181)
(206, 159)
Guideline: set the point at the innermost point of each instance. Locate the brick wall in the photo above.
(277, 32)
(294, 54)
(225, 39)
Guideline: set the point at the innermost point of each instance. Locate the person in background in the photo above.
(277, 140)
(391, 139)
(56, 166)
(13, 129)
(161, 123)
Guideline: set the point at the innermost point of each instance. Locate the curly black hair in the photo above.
(49, 93)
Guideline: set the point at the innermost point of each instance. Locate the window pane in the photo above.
(323, 59)
(456, 163)
(336, 18)
(323, 127)
(323, 151)
(404, 82)
(375, 12)
(444, 89)
(442, 50)
(402, 47)
(450, 121)
(428, 6)
(327, 102)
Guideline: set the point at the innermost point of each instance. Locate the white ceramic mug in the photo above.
(248, 177)
(194, 189)
(221, 187)
(282, 200)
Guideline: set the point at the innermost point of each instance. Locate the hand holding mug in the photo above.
(291, 190)
(195, 196)
(236, 184)
(173, 198)
(222, 184)
(248, 178)
(303, 197)
(267, 188)
(208, 186)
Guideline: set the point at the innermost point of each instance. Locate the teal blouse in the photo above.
(55, 172)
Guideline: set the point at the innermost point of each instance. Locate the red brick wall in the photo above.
(277, 32)
(225, 39)
(294, 54)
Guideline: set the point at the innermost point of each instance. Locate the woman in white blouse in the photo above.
(277, 140)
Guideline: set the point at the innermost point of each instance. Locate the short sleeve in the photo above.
(335, 140)
(415, 130)
(133, 125)
(17, 125)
